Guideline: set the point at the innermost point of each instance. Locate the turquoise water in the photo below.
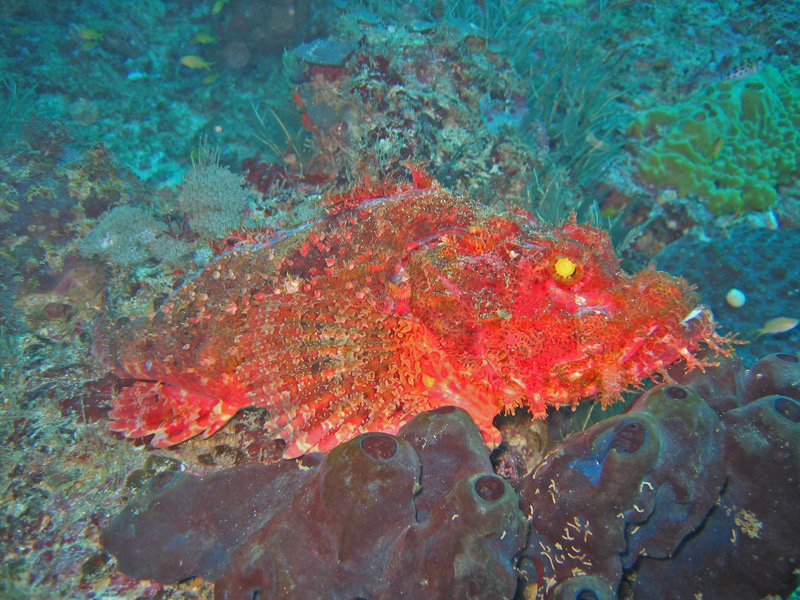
(140, 141)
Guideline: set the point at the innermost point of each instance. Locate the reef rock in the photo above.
(690, 493)
(417, 515)
(747, 546)
(633, 485)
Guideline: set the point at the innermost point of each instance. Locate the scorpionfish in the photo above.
(401, 299)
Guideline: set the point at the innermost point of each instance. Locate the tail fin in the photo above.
(168, 412)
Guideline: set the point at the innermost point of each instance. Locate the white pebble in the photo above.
(735, 298)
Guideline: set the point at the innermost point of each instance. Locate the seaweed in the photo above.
(574, 108)
(15, 104)
(574, 104)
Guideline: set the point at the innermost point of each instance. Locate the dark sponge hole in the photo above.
(786, 357)
(630, 438)
(162, 480)
(490, 488)
(444, 410)
(585, 594)
(677, 393)
(379, 447)
(788, 408)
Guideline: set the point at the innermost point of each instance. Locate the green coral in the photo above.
(730, 145)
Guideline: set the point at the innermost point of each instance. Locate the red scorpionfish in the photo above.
(401, 300)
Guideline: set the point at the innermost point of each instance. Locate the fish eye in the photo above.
(565, 269)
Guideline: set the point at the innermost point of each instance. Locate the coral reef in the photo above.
(49, 195)
(61, 304)
(512, 103)
(416, 515)
(731, 145)
(251, 31)
(56, 480)
(688, 493)
(469, 107)
(15, 104)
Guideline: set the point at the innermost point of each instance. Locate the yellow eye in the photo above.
(565, 270)
(564, 267)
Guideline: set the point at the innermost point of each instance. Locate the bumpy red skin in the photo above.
(400, 301)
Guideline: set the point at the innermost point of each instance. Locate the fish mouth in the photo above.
(598, 309)
(663, 344)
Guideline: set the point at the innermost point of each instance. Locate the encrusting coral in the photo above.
(730, 145)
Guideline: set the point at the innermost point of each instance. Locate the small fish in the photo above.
(609, 211)
(715, 149)
(203, 38)
(777, 325)
(89, 34)
(209, 79)
(695, 312)
(218, 6)
(195, 62)
(742, 69)
(596, 143)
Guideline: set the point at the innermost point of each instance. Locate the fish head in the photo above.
(547, 317)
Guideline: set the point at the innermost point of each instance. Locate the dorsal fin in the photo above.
(340, 200)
